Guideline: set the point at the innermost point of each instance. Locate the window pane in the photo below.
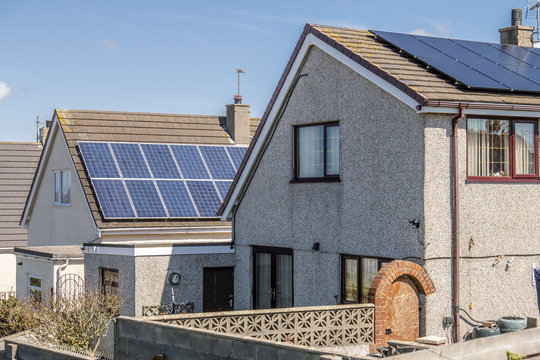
(284, 281)
(35, 282)
(524, 143)
(35, 295)
(56, 186)
(369, 270)
(311, 151)
(263, 280)
(351, 280)
(332, 150)
(109, 281)
(488, 143)
(66, 187)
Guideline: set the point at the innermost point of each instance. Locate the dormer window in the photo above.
(61, 187)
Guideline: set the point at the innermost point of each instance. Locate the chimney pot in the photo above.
(516, 17)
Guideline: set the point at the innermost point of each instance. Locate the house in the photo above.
(18, 161)
(109, 189)
(354, 163)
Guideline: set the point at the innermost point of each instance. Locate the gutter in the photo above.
(455, 216)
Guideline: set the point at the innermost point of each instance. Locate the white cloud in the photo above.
(5, 89)
(422, 32)
(109, 45)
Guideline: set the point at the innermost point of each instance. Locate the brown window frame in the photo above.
(273, 251)
(107, 285)
(326, 177)
(358, 258)
(511, 150)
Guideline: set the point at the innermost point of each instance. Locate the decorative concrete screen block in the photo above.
(308, 326)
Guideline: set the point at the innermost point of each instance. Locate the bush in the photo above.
(76, 321)
(15, 316)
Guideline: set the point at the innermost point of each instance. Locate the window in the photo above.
(499, 149)
(357, 273)
(317, 152)
(109, 281)
(61, 187)
(34, 289)
(272, 277)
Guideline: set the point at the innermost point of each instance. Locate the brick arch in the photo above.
(378, 291)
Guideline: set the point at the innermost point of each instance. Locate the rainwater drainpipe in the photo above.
(59, 271)
(455, 272)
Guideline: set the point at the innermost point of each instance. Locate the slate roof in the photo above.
(18, 162)
(111, 126)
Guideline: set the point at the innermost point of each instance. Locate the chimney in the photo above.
(238, 122)
(44, 131)
(517, 34)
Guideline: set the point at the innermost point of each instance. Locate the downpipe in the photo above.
(455, 242)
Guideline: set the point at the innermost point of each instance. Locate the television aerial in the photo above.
(533, 11)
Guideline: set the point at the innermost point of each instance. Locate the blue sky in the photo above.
(181, 56)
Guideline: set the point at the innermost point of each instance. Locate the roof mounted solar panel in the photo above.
(150, 181)
(476, 65)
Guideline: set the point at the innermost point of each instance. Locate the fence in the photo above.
(4, 295)
(319, 326)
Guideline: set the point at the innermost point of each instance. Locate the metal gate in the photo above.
(69, 285)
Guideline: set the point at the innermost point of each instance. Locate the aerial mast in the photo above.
(238, 97)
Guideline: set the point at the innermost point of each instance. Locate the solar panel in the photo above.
(144, 181)
(477, 65)
(205, 197)
(223, 187)
(237, 154)
(190, 162)
(218, 162)
(145, 199)
(161, 161)
(176, 198)
(113, 199)
(98, 160)
(130, 161)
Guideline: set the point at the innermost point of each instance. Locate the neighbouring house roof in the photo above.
(389, 68)
(108, 126)
(51, 252)
(18, 162)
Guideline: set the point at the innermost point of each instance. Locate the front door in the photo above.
(218, 289)
(273, 277)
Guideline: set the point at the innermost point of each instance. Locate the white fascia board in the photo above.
(39, 171)
(158, 250)
(468, 111)
(310, 40)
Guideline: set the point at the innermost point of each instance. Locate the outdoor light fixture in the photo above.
(19, 263)
(316, 246)
(414, 223)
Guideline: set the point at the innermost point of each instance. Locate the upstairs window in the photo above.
(499, 149)
(317, 152)
(61, 187)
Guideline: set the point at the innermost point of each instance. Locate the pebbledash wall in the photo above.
(143, 279)
(395, 164)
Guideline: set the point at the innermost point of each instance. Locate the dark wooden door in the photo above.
(218, 289)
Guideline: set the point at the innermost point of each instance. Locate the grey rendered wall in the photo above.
(59, 225)
(152, 286)
(143, 280)
(495, 219)
(126, 274)
(381, 168)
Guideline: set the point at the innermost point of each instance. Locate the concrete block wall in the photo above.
(140, 339)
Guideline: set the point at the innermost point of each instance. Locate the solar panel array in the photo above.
(141, 180)
(477, 65)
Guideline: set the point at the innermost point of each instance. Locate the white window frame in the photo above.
(33, 287)
(60, 175)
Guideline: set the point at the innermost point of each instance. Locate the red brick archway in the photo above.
(379, 291)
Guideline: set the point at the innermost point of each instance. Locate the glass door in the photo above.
(273, 277)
